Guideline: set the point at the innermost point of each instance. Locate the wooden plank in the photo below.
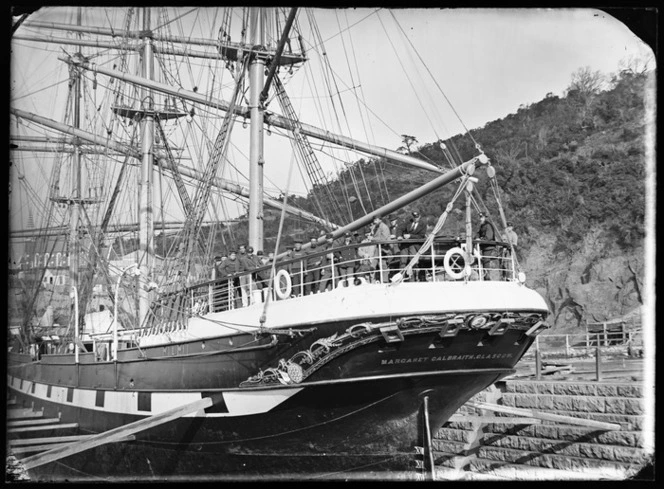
(115, 434)
(32, 422)
(59, 426)
(545, 416)
(48, 446)
(48, 439)
(22, 413)
(460, 418)
(36, 448)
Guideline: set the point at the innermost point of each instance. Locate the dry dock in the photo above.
(481, 444)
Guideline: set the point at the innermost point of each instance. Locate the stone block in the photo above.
(587, 404)
(546, 403)
(627, 455)
(545, 388)
(619, 405)
(447, 446)
(575, 389)
(521, 387)
(563, 403)
(596, 451)
(607, 390)
(629, 390)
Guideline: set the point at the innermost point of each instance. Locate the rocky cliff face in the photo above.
(599, 282)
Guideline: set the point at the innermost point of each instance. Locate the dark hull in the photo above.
(358, 412)
(365, 429)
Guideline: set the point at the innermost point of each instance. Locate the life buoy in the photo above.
(362, 280)
(456, 275)
(282, 292)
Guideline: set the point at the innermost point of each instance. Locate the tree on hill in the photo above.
(408, 141)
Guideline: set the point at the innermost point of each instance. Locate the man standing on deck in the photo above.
(393, 224)
(249, 262)
(328, 274)
(346, 258)
(295, 268)
(230, 267)
(511, 237)
(381, 233)
(487, 232)
(415, 229)
(312, 277)
(380, 230)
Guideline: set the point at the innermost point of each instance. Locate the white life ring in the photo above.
(363, 281)
(448, 268)
(282, 293)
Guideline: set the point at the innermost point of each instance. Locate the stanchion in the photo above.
(427, 438)
(598, 359)
(538, 360)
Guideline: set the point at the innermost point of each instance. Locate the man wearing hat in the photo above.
(381, 233)
(261, 276)
(329, 273)
(393, 224)
(512, 238)
(312, 277)
(487, 232)
(380, 230)
(346, 258)
(249, 262)
(414, 229)
(295, 268)
(368, 255)
(230, 267)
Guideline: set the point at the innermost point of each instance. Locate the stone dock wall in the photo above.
(477, 445)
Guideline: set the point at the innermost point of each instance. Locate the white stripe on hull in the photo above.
(126, 402)
(361, 302)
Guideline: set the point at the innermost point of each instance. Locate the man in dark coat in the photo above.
(414, 229)
(226, 269)
(489, 252)
(295, 268)
(329, 273)
(312, 277)
(347, 259)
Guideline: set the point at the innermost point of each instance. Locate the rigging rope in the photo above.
(434, 79)
(270, 286)
(398, 278)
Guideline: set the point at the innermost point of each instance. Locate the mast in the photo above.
(256, 110)
(75, 184)
(146, 232)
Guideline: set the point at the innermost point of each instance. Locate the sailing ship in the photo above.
(339, 359)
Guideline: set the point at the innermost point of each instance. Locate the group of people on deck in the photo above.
(312, 271)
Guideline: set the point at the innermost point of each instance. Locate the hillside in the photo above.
(572, 174)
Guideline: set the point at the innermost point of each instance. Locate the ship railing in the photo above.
(355, 265)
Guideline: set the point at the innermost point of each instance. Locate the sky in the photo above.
(429, 73)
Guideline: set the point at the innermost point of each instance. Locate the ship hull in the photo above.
(363, 429)
(335, 399)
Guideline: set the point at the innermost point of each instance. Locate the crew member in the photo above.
(346, 259)
(312, 277)
(489, 252)
(295, 269)
(414, 229)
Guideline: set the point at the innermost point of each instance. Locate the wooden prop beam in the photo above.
(545, 416)
(115, 434)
